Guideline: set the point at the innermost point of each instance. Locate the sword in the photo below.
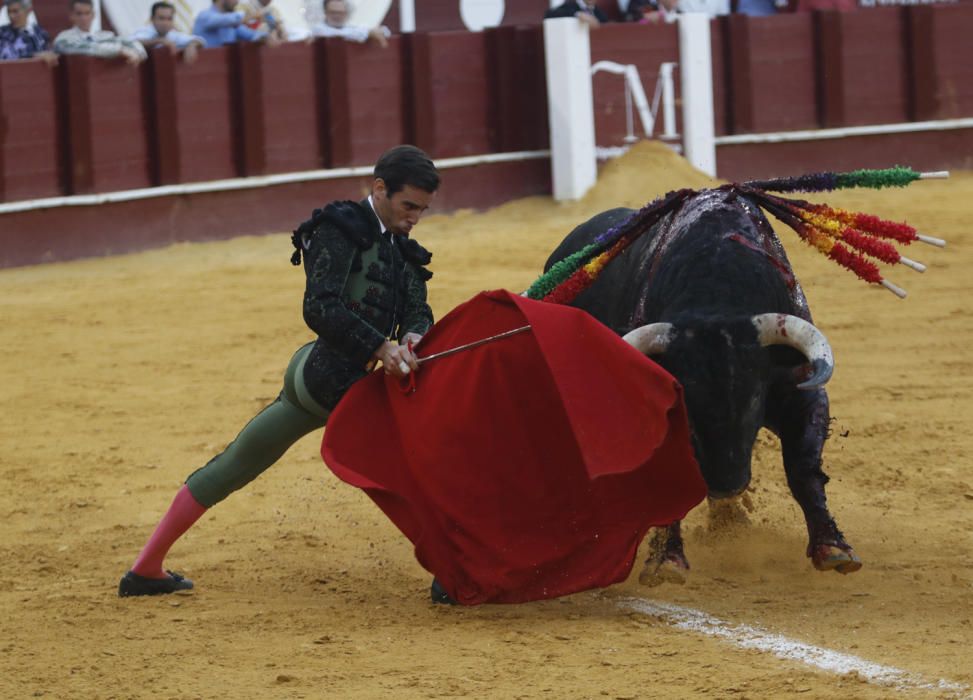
(475, 343)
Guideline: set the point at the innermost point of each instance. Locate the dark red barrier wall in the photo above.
(65, 233)
(451, 83)
(772, 73)
(366, 100)
(864, 68)
(106, 115)
(923, 150)
(518, 89)
(29, 138)
(642, 45)
(942, 73)
(722, 97)
(277, 89)
(194, 111)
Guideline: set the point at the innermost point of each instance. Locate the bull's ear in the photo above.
(652, 339)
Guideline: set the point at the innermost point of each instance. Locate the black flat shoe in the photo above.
(439, 595)
(132, 584)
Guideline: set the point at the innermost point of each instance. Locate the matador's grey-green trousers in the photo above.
(264, 440)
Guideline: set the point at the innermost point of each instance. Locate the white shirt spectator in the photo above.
(349, 32)
(669, 10)
(180, 39)
(709, 7)
(335, 24)
(103, 44)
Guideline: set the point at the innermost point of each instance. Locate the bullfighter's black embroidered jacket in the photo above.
(363, 286)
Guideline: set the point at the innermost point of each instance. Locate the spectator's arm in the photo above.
(350, 33)
(76, 43)
(244, 33)
(182, 40)
(147, 36)
(49, 57)
(211, 21)
(130, 47)
(380, 35)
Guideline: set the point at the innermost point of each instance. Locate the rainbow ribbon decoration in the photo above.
(897, 176)
(569, 277)
(848, 238)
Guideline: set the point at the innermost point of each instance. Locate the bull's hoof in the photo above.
(669, 570)
(826, 557)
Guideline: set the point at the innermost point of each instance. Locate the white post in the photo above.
(696, 69)
(570, 107)
(668, 101)
(96, 25)
(407, 16)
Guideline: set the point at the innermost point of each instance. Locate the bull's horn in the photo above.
(652, 339)
(783, 329)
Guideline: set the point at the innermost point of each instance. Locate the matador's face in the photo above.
(402, 210)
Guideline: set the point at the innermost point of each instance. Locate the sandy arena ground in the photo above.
(122, 375)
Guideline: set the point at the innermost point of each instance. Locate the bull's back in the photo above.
(613, 295)
(585, 233)
(706, 259)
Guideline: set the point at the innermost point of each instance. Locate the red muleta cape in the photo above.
(526, 468)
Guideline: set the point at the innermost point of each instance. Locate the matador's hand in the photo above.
(411, 339)
(397, 360)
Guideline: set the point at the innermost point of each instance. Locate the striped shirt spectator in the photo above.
(18, 40)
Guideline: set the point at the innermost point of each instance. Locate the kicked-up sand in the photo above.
(122, 375)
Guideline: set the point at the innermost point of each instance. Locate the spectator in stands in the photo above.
(17, 40)
(669, 10)
(760, 8)
(220, 25)
(262, 16)
(336, 25)
(642, 11)
(103, 44)
(713, 8)
(159, 32)
(585, 10)
(840, 5)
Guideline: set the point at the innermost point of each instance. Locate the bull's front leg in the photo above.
(666, 562)
(801, 420)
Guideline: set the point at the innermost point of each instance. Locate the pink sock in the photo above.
(184, 511)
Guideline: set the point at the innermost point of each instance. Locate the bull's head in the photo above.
(727, 372)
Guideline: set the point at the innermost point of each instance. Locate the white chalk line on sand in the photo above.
(749, 637)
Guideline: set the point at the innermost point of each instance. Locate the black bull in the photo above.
(706, 271)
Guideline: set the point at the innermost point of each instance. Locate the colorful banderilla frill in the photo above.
(848, 238)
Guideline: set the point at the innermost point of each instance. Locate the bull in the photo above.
(709, 294)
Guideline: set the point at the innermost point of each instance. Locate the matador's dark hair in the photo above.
(407, 165)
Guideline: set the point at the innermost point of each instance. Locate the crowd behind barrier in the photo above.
(88, 125)
(95, 126)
